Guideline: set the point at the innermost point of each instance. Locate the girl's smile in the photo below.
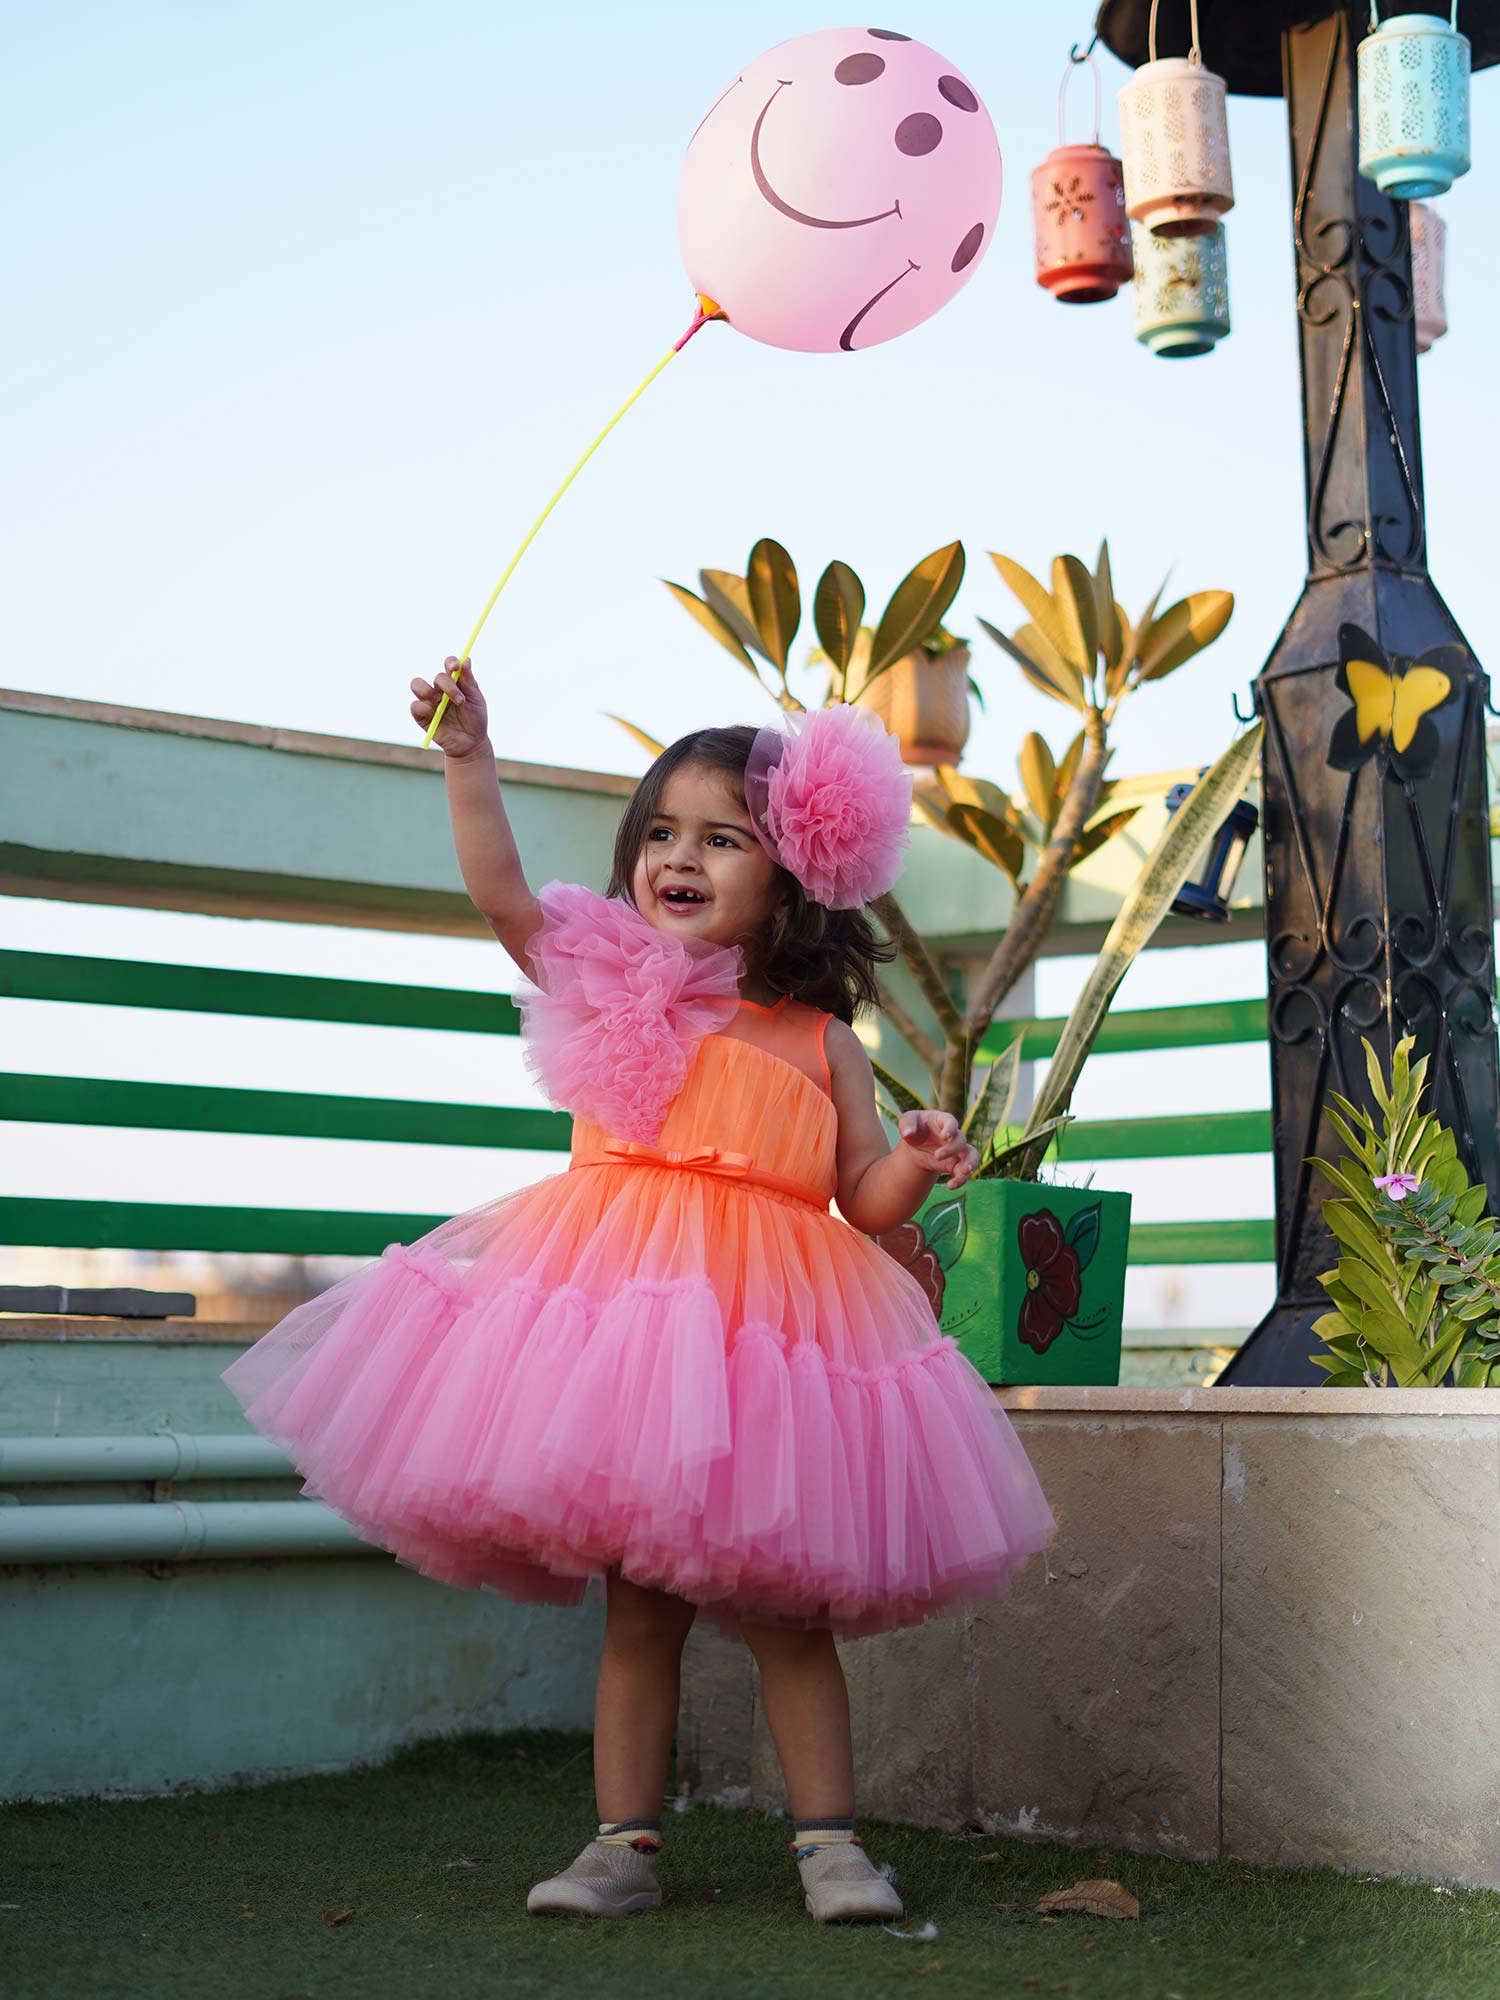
(701, 868)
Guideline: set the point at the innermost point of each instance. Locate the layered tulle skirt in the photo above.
(717, 1389)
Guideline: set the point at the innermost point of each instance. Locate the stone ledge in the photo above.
(1251, 1402)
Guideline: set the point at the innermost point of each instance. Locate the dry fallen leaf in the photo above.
(331, 1917)
(1093, 1899)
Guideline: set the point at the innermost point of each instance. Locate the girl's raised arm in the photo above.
(487, 855)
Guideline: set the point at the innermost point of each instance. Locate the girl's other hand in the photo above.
(465, 727)
(936, 1142)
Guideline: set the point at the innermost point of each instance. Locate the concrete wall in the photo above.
(132, 1677)
(1267, 1628)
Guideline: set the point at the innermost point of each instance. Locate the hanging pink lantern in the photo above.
(1174, 136)
(1078, 213)
(1429, 244)
(840, 191)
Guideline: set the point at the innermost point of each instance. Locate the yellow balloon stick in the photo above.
(707, 310)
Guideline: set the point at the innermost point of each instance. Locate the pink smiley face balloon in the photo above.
(840, 191)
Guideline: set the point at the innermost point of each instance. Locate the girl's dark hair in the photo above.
(824, 957)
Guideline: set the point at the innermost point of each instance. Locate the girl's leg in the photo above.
(635, 1702)
(807, 1708)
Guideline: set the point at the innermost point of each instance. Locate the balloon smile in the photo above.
(796, 214)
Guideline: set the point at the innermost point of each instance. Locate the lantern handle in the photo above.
(1195, 53)
(1375, 16)
(1242, 719)
(1062, 91)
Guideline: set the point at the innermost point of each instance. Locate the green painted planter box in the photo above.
(1029, 1278)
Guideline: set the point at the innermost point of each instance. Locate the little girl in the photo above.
(671, 1371)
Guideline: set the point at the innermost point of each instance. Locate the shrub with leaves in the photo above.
(1416, 1292)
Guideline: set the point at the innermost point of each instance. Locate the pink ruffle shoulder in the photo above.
(672, 1358)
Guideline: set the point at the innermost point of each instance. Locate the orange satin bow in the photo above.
(706, 1159)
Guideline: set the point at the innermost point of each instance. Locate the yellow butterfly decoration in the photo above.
(1393, 703)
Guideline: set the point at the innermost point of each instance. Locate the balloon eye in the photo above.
(957, 93)
(968, 250)
(860, 69)
(918, 134)
(886, 35)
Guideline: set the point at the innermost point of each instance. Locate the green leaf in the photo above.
(1440, 1357)
(712, 624)
(1073, 593)
(1377, 1082)
(1090, 841)
(1083, 1233)
(896, 1090)
(1147, 903)
(1142, 625)
(1054, 680)
(1190, 625)
(729, 596)
(775, 599)
(1038, 600)
(1018, 1160)
(838, 606)
(1352, 1230)
(648, 743)
(1107, 618)
(993, 1101)
(917, 606)
(1067, 770)
(1038, 775)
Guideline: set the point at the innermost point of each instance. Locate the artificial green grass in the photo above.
(410, 1881)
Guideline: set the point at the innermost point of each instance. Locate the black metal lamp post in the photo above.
(1379, 916)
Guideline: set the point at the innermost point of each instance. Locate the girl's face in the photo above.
(702, 870)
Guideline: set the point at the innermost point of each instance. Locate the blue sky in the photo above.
(311, 306)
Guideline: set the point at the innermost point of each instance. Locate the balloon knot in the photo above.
(707, 310)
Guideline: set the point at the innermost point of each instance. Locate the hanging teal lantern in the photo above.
(1181, 292)
(1413, 104)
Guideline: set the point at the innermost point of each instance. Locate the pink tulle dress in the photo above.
(671, 1358)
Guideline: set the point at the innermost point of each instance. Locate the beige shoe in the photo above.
(606, 1880)
(843, 1885)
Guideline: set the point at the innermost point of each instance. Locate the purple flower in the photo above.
(1398, 1186)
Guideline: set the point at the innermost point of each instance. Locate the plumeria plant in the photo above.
(1416, 1291)
(1077, 647)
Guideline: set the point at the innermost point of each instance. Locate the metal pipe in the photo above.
(176, 1531)
(165, 1454)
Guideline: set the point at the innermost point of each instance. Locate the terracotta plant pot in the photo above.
(1028, 1278)
(1078, 220)
(923, 702)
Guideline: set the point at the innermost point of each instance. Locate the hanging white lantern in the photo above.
(1413, 104)
(1429, 243)
(1181, 292)
(1174, 139)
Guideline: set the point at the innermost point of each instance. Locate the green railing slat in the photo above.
(287, 996)
(45, 975)
(288, 1114)
(1205, 1024)
(1167, 1138)
(149, 1225)
(1203, 1242)
(300, 1232)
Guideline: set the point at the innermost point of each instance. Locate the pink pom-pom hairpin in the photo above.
(830, 800)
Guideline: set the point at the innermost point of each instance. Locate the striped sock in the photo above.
(644, 1835)
(811, 1834)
